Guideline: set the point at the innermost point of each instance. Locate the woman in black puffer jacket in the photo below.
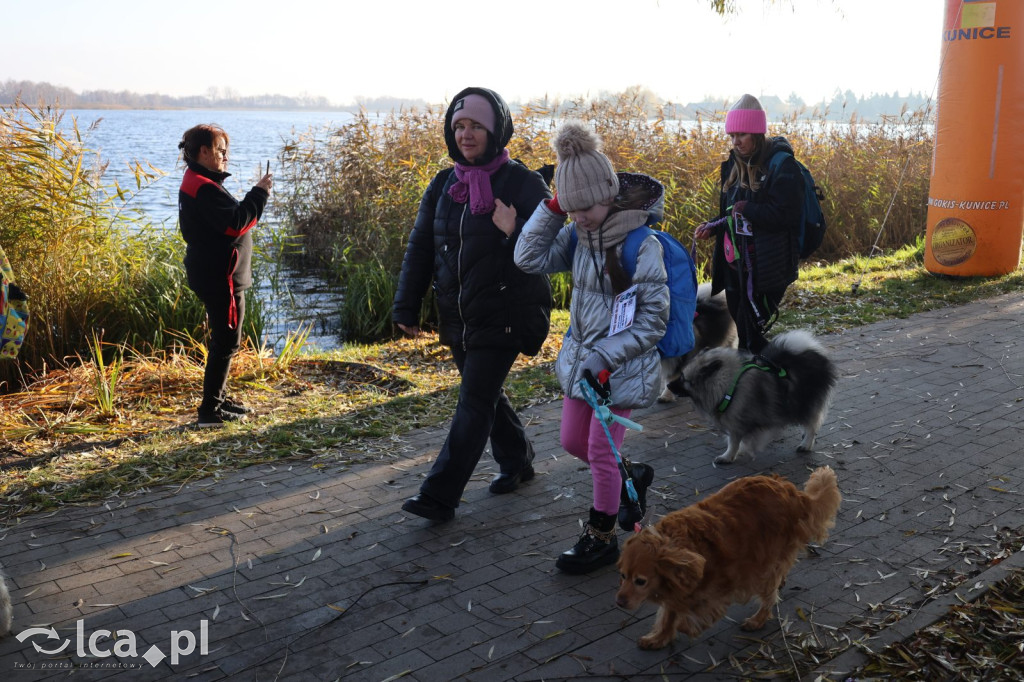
(755, 268)
(490, 311)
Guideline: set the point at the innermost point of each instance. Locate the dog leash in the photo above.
(735, 226)
(597, 394)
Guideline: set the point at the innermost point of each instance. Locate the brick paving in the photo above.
(304, 573)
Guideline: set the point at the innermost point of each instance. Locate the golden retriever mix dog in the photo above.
(736, 544)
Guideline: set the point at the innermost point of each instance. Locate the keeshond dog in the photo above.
(752, 398)
(6, 611)
(713, 327)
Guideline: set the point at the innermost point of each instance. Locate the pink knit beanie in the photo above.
(477, 108)
(746, 116)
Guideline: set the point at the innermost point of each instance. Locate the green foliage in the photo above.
(369, 292)
(106, 375)
(561, 289)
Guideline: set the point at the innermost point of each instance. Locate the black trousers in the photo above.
(225, 341)
(483, 412)
(749, 331)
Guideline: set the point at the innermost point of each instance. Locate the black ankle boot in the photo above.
(596, 547)
(629, 513)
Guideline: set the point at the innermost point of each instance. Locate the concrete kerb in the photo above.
(928, 614)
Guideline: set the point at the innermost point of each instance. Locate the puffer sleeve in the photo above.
(418, 263)
(544, 247)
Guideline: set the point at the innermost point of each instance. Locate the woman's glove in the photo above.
(738, 207)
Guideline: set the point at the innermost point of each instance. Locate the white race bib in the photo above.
(623, 311)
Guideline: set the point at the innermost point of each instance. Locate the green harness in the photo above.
(727, 400)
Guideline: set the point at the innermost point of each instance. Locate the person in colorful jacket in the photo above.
(469, 220)
(218, 257)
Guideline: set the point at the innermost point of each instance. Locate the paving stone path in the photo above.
(293, 572)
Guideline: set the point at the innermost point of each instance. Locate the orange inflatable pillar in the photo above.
(976, 198)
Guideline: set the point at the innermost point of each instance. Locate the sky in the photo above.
(347, 50)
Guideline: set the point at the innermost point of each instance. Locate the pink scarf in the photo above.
(475, 184)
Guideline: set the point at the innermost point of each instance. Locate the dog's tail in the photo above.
(825, 497)
(798, 351)
(6, 612)
(812, 374)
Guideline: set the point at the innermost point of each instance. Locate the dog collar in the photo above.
(727, 399)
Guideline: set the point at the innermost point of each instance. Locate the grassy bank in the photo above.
(89, 432)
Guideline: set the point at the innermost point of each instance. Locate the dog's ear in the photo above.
(681, 568)
(708, 370)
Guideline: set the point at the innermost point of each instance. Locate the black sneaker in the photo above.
(233, 407)
(631, 514)
(217, 418)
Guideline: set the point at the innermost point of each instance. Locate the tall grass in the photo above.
(356, 188)
(88, 265)
(106, 375)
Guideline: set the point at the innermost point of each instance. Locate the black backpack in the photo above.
(812, 223)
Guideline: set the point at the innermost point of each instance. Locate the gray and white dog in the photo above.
(752, 399)
(6, 610)
(713, 327)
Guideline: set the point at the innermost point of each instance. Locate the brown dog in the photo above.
(736, 544)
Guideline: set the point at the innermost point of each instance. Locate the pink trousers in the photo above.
(584, 437)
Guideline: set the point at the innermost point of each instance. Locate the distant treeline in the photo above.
(842, 105)
(35, 94)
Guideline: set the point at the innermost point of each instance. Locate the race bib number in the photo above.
(623, 311)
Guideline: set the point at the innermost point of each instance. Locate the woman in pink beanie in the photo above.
(756, 252)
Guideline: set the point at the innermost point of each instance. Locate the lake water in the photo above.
(123, 136)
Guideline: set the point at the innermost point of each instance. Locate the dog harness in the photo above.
(727, 399)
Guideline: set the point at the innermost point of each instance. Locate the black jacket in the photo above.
(484, 300)
(216, 229)
(774, 211)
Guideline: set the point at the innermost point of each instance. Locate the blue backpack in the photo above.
(812, 223)
(682, 286)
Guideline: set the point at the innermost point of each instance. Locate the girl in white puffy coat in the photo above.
(604, 207)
